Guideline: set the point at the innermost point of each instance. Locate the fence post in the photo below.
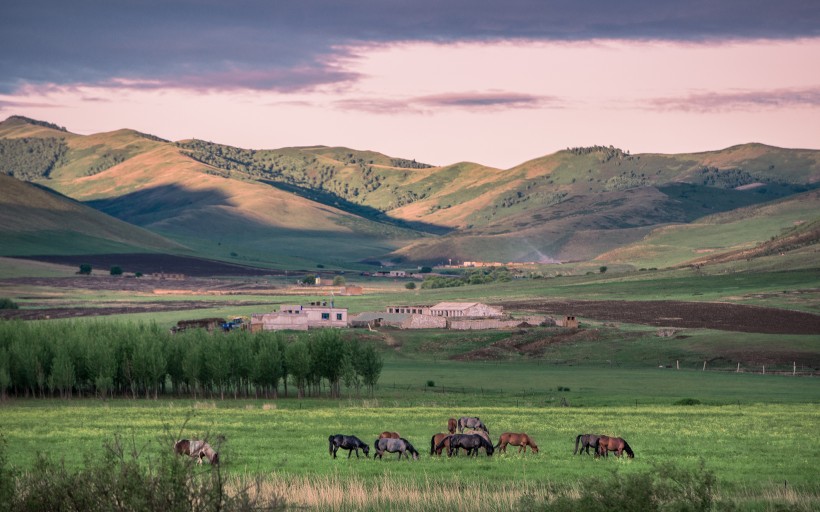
(704, 366)
(794, 368)
(677, 364)
(764, 369)
(738, 368)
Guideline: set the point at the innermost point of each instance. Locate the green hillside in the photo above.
(34, 220)
(280, 206)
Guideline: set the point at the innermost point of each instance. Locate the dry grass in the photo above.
(337, 493)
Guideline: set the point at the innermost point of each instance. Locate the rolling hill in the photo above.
(340, 206)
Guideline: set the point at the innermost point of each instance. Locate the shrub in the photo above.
(410, 286)
(120, 479)
(431, 384)
(6, 303)
(116, 270)
(687, 401)
(85, 269)
(664, 487)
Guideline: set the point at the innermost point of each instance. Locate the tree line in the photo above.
(106, 359)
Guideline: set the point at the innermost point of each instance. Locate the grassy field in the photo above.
(752, 444)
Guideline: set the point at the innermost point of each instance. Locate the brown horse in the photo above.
(435, 440)
(389, 435)
(452, 425)
(520, 440)
(618, 445)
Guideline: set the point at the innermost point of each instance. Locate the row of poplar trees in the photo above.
(108, 359)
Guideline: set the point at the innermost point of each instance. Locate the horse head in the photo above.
(366, 450)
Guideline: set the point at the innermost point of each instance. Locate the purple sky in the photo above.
(439, 81)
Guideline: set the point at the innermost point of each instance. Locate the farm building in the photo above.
(300, 318)
(412, 310)
(451, 309)
(466, 309)
(398, 320)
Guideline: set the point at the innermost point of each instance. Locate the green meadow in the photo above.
(750, 430)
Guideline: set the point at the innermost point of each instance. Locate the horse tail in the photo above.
(330, 445)
(628, 450)
(577, 440)
(433, 444)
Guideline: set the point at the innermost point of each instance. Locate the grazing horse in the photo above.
(400, 445)
(348, 443)
(467, 422)
(196, 449)
(452, 425)
(614, 444)
(389, 435)
(520, 440)
(469, 442)
(436, 439)
(587, 441)
(474, 432)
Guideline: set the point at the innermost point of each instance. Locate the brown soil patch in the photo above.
(526, 346)
(700, 315)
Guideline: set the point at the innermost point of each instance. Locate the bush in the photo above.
(85, 269)
(120, 479)
(687, 401)
(6, 303)
(116, 270)
(431, 384)
(410, 286)
(664, 487)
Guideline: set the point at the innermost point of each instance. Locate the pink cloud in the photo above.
(739, 100)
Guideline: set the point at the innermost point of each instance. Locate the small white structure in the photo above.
(300, 318)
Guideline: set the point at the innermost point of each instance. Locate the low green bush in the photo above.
(664, 487)
(122, 479)
(6, 303)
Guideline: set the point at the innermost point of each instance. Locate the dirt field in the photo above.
(706, 315)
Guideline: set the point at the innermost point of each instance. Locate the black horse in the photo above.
(349, 443)
(401, 445)
(586, 441)
(470, 442)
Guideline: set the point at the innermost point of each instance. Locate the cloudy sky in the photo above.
(495, 82)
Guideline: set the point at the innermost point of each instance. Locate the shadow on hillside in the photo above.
(156, 204)
(367, 212)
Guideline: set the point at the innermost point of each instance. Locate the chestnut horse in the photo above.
(452, 424)
(435, 440)
(520, 440)
(618, 445)
(389, 435)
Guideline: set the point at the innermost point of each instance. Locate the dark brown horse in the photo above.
(618, 445)
(452, 425)
(521, 440)
(389, 435)
(586, 441)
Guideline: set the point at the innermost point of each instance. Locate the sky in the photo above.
(439, 81)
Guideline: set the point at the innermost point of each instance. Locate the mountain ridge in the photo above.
(577, 203)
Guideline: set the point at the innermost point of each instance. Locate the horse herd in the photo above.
(473, 435)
